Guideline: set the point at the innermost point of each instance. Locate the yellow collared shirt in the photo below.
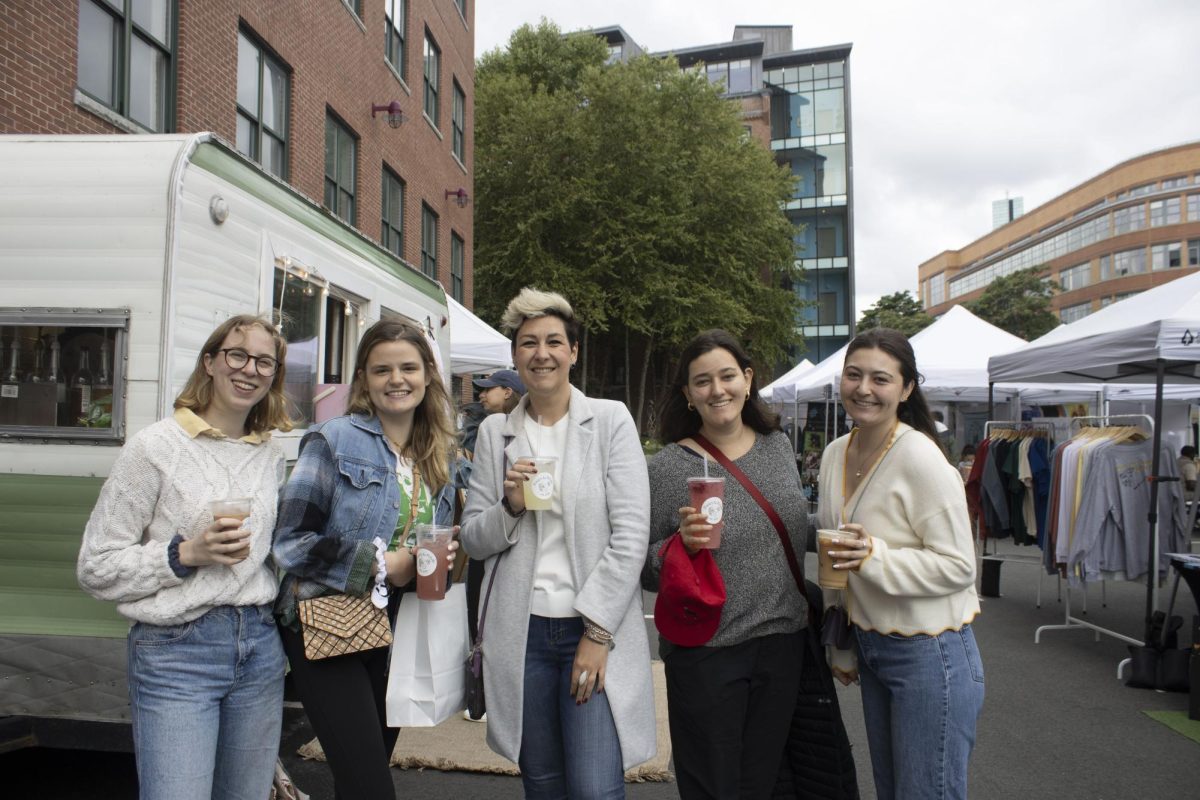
(193, 425)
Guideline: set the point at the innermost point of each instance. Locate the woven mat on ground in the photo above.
(1178, 721)
(460, 745)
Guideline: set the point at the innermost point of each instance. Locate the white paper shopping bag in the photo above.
(427, 671)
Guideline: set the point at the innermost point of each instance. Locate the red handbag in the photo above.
(691, 594)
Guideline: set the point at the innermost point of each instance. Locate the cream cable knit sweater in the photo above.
(161, 485)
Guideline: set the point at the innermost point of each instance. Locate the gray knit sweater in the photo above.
(761, 595)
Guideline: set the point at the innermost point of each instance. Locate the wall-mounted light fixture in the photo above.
(395, 115)
(460, 196)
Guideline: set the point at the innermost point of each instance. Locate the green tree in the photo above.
(633, 190)
(1018, 303)
(900, 310)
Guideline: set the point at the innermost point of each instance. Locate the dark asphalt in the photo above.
(1056, 723)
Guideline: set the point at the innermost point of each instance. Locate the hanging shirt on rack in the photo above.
(995, 505)
(1039, 468)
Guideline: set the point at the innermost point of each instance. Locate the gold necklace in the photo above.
(858, 473)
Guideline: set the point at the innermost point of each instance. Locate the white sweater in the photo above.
(920, 576)
(161, 485)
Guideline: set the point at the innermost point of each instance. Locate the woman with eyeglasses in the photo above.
(204, 657)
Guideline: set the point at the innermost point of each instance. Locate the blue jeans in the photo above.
(207, 703)
(567, 750)
(921, 698)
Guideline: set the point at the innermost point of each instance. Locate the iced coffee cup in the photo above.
(707, 495)
(433, 566)
(541, 485)
(827, 576)
(233, 508)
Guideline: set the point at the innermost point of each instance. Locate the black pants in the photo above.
(474, 585)
(344, 698)
(730, 709)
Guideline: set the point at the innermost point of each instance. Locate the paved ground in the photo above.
(1056, 723)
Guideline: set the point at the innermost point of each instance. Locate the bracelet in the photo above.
(597, 634)
(508, 509)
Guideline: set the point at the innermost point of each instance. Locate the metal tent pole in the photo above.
(1152, 517)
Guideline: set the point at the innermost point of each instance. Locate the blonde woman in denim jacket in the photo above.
(356, 483)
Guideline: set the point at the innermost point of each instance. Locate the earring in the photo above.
(747, 394)
(691, 407)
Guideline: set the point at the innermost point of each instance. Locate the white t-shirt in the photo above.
(553, 584)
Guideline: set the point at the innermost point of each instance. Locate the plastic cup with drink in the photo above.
(827, 576)
(707, 495)
(432, 556)
(233, 508)
(540, 486)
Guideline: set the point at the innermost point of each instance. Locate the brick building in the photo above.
(365, 106)
(1132, 227)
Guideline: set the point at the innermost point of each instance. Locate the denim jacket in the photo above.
(342, 493)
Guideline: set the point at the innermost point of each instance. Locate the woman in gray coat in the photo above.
(566, 659)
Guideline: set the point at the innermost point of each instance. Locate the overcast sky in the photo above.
(953, 103)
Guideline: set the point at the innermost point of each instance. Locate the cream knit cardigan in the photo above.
(161, 485)
(920, 576)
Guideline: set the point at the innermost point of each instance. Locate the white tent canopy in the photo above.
(1121, 343)
(768, 392)
(474, 345)
(952, 355)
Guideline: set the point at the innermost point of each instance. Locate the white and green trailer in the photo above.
(131, 249)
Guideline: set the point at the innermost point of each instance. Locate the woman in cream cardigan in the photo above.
(911, 595)
(566, 662)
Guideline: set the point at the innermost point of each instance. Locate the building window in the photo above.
(1129, 262)
(1166, 256)
(1164, 212)
(433, 67)
(1129, 219)
(1070, 314)
(1075, 277)
(126, 58)
(1175, 183)
(341, 156)
(736, 75)
(462, 7)
(262, 97)
(615, 53)
(391, 235)
(395, 17)
(1193, 208)
(429, 236)
(458, 255)
(937, 289)
(458, 121)
(1194, 253)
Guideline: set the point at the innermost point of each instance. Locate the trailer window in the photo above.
(297, 305)
(62, 374)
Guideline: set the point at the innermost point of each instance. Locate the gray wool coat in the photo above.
(606, 502)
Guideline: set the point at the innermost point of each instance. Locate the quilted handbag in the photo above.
(338, 624)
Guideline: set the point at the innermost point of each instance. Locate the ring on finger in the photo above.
(583, 676)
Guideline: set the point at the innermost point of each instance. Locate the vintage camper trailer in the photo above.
(118, 255)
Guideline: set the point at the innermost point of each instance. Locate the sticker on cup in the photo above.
(427, 562)
(542, 486)
(713, 510)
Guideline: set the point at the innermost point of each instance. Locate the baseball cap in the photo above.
(691, 593)
(502, 377)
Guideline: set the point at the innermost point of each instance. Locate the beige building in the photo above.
(1132, 227)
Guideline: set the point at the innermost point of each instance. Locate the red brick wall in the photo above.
(336, 62)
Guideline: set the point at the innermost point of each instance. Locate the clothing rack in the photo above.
(1074, 623)
(980, 544)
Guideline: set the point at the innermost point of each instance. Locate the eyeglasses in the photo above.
(237, 358)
